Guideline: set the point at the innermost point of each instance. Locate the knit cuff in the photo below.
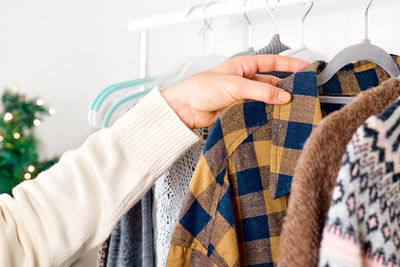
(158, 133)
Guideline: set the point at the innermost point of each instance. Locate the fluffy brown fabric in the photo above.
(316, 173)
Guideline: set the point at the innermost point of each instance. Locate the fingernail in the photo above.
(284, 96)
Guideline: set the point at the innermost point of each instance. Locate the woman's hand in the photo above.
(201, 98)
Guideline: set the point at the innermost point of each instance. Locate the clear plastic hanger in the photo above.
(363, 51)
(271, 13)
(189, 67)
(101, 97)
(135, 87)
(304, 52)
(250, 43)
(275, 38)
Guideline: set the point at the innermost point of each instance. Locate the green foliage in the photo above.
(18, 144)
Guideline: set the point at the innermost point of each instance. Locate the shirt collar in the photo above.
(292, 123)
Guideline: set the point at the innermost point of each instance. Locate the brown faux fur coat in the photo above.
(316, 173)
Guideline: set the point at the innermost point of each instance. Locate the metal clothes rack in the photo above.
(217, 9)
(214, 10)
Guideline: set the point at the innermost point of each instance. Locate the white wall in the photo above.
(67, 51)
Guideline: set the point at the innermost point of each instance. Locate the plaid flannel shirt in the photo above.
(234, 210)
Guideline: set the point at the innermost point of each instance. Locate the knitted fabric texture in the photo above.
(102, 253)
(317, 169)
(131, 242)
(248, 52)
(363, 221)
(233, 212)
(275, 46)
(169, 193)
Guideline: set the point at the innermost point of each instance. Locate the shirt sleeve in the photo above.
(72, 207)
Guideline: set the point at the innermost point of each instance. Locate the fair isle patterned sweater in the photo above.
(363, 225)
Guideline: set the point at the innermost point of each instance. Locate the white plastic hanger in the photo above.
(363, 51)
(271, 13)
(250, 43)
(276, 40)
(189, 67)
(304, 52)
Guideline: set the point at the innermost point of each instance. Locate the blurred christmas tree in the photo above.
(19, 158)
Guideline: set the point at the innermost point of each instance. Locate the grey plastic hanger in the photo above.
(363, 51)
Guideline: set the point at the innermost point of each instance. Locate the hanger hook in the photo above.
(303, 20)
(244, 13)
(191, 10)
(207, 25)
(308, 12)
(250, 26)
(366, 20)
(271, 13)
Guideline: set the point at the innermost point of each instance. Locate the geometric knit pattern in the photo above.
(234, 210)
(363, 225)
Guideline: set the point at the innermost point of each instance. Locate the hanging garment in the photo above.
(102, 254)
(316, 172)
(248, 52)
(362, 228)
(131, 242)
(170, 190)
(234, 210)
(275, 46)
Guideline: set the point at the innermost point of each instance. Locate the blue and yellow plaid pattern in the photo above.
(234, 210)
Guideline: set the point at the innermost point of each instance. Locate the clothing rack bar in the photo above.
(215, 10)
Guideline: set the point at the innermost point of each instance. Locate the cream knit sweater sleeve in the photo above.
(74, 206)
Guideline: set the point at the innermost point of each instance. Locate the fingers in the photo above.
(260, 91)
(249, 66)
(266, 79)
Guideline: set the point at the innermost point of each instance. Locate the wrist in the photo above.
(178, 104)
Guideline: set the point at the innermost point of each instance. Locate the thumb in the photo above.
(261, 91)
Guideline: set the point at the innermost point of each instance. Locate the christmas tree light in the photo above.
(8, 116)
(19, 147)
(39, 102)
